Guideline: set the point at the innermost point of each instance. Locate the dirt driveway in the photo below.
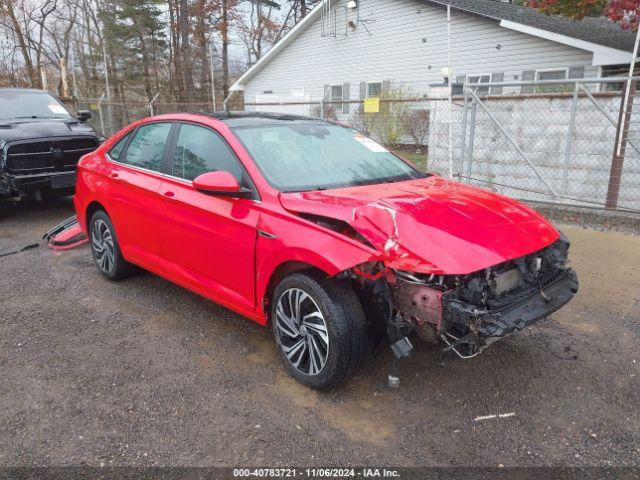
(144, 372)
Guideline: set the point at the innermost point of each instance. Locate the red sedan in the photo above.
(318, 230)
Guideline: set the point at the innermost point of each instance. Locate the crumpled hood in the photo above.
(432, 225)
(25, 129)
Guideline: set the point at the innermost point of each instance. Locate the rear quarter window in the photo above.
(116, 150)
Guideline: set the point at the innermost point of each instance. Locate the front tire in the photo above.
(319, 329)
(105, 248)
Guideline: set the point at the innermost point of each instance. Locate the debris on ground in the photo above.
(491, 417)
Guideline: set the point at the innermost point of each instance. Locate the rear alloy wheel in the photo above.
(105, 248)
(319, 328)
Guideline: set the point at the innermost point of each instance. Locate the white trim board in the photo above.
(601, 55)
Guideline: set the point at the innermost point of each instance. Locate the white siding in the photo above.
(391, 47)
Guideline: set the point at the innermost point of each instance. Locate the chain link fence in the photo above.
(108, 117)
(549, 141)
(558, 147)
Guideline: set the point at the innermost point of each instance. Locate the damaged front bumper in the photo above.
(488, 325)
(467, 312)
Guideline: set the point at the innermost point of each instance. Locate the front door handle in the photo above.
(115, 176)
(169, 194)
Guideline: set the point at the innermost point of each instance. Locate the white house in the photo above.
(347, 49)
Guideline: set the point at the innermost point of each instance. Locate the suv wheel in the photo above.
(319, 328)
(105, 248)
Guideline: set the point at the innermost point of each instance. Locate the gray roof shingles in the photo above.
(597, 30)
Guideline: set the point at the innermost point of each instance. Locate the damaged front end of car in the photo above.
(449, 262)
(466, 313)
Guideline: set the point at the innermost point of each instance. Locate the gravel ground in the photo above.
(143, 372)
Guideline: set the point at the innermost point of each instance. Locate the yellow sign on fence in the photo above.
(372, 105)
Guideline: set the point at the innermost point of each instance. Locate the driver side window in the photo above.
(200, 150)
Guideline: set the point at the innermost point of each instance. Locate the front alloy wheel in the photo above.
(302, 331)
(319, 328)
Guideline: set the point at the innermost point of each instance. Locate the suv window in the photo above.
(200, 150)
(147, 146)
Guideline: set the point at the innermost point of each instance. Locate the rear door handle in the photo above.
(115, 176)
(169, 194)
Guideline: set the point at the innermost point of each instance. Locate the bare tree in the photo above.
(416, 124)
(21, 36)
(132, 49)
(258, 30)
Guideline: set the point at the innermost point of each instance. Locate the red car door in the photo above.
(135, 175)
(207, 241)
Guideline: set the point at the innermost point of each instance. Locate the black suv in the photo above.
(40, 143)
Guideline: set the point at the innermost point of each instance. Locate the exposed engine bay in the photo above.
(466, 313)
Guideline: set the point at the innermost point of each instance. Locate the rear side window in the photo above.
(200, 150)
(116, 151)
(147, 146)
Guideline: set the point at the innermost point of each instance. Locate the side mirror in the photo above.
(219, 183)
(84, 115)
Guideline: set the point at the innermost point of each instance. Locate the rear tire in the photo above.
(105, 248)
(319, 329)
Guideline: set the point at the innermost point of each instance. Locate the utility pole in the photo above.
(622, 134)
(225, 48)
(626, 105)
(213, 78)
(106, 68)
(449, 73)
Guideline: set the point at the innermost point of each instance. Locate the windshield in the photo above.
(318, 156)
(30, 104)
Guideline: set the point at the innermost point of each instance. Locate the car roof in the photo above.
(247, 119)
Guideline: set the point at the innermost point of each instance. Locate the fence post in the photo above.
(151, 104)
(110, 116)
(567, 151)
(102, 132)
(463, 140)
(472, 131)
(617, 161)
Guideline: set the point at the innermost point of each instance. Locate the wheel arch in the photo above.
(92, 208)
(282, 270)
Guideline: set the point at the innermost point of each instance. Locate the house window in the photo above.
(552, 74)
(478, 79)
(336, 93)
(559, 74)
(614, 71)
(374, 89)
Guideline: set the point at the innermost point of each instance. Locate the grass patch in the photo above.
(418, 159)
